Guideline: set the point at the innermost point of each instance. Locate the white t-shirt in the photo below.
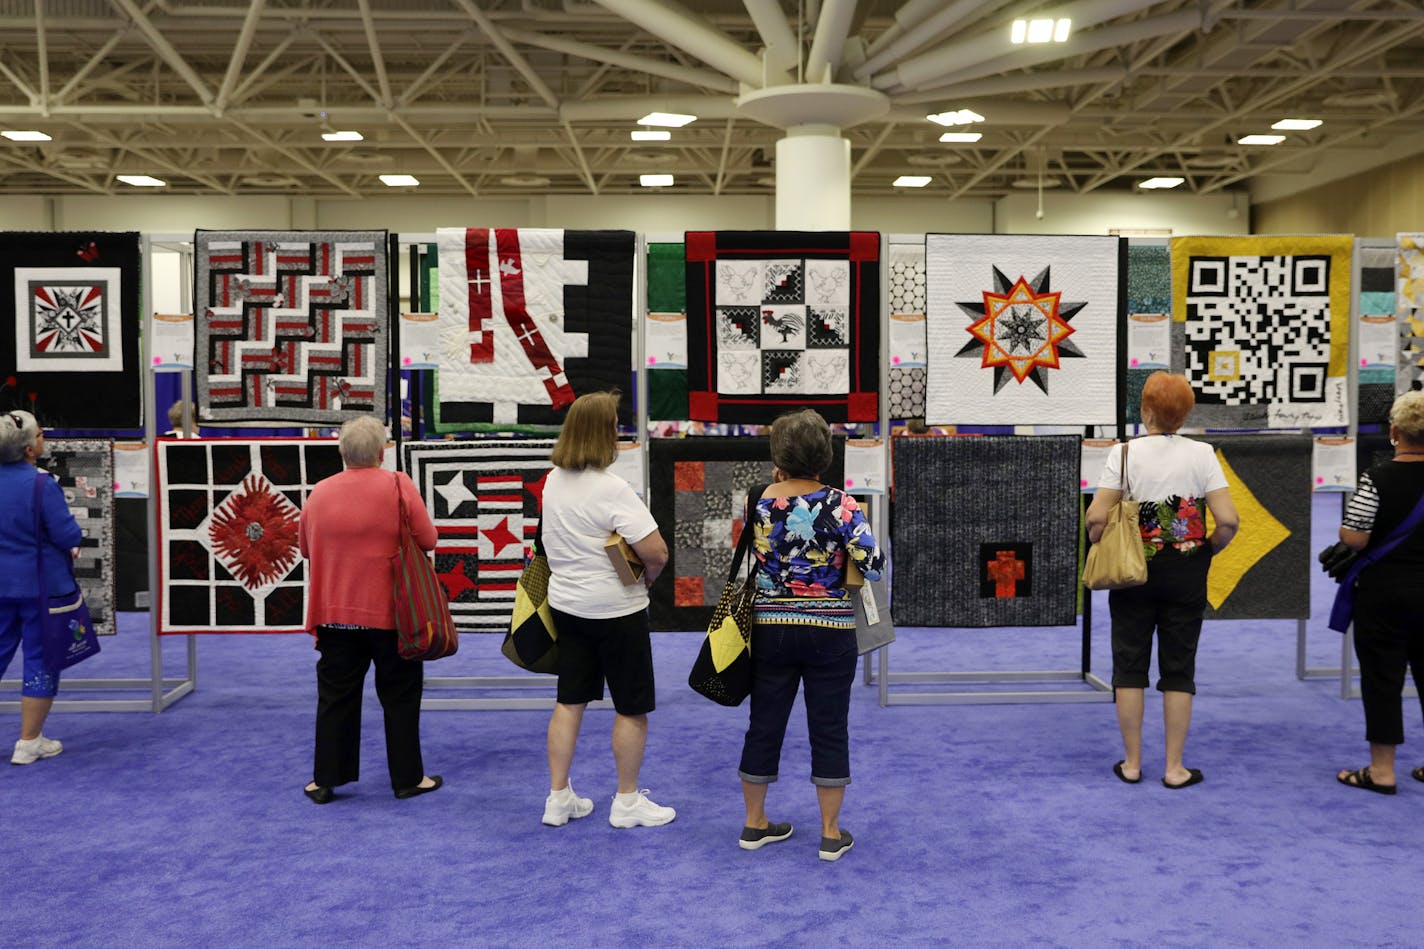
(1164, 466)
(581, 508)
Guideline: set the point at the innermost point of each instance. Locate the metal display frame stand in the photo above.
(163, 691)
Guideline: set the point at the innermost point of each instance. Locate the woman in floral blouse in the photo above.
(804, 631)
(1176, 481)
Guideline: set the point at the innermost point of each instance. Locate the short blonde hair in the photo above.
(801, 444)
(1169, 398)
(589, 437)
(175, 413)
(1407, 415)
(18, 431)
(363, 442)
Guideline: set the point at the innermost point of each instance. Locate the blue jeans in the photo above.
(783, 657)
(20, 628)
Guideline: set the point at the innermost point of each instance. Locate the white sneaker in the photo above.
(641, 813)
(32, 750)
(563, 804)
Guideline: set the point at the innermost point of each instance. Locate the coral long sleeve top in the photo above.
(348, 534)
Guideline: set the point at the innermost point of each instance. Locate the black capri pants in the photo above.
(1389, 637)
(1172, 603)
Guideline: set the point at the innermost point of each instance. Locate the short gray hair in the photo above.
(18, 431)
(1407, 415)
(363, 442)
(801, 444)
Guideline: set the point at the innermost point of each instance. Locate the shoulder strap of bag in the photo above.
(1391, 541)
(39, 540)
(402, 518)
(1122, 483)
(744, 543)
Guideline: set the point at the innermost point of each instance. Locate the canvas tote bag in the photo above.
(1117, 561)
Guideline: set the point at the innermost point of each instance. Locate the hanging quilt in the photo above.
(666, 323)
(907, 345)
(1260, 326)
(84, 469)
(699, 487)
(1023, 329)
(1149, 314)
(228, 555)
(993, 524)
(290, 326)
(1409, 311)
(1264, 573)
(783, 320)
(484, 497)
(69, 348)
(531, 318)
(1377, 336)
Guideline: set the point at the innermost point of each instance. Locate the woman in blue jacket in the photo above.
(21, 445)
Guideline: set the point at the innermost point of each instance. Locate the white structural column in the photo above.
(813, 179)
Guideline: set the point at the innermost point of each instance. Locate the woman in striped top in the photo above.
(806, 532)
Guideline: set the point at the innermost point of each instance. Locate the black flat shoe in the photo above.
(1195, 777)
(1117, 770)
(320, 795)
(416, 791)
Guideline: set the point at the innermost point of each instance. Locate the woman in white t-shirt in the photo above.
(1176, 481)
(603, 624)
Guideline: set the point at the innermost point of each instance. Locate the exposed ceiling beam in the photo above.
(378, 62)
(832, 30)
(685, 30)
(292, 155)
(431, 150)
(506, 49)
(165, 49)
(781, 49)
(239, 53)
(653, 67)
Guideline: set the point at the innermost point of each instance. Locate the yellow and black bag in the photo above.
(723, 668)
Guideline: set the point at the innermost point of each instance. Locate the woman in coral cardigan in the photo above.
(349, 531)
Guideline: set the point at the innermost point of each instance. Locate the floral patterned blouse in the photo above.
(1176, 522)
(801, 544)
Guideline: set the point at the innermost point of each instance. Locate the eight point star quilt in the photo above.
(69, 347)
(1260, 326)
(1023, 329)
(290, 326)
(782, 320)
(484, 497)
(531, 318)
(84, 469)
(228, 556)
(699, 485)
(993, 525)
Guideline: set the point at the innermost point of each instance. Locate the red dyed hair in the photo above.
(1169, 399)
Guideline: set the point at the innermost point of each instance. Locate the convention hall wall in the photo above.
(1379, 203)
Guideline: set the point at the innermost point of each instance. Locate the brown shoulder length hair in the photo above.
(589, 438)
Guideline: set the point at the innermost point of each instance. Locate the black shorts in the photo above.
(619, 650)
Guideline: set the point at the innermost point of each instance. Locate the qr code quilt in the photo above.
(290, 326)
(530, 319)
(84, 469)
(1409, 310)
(905, 262)
(1023, 329)
(69, 347)
(698, 492)
(782, 320)
(228, 553)
(1261, 329)
(484, 497)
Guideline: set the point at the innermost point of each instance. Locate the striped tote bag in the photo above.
(424, 627)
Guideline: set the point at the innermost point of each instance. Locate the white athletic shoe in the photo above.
(32, 750)
(641, 813)
(564, 804)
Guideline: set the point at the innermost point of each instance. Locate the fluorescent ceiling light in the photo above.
(648, 135)
(655, 181)
(1040, 30)
(142, 181)
(1167, 182)
(961, 136)
(399, 181)
(26, 135)
(961, 117)
(672, 120)
(912, 181)
(346, 136)
(1296, 125)
(1260, 140)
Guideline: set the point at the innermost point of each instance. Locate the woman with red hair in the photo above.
(1175, 481)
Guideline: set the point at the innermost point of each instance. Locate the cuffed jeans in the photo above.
(783, 657)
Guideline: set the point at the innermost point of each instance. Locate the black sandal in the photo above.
(1360, 778)
(1417, 774)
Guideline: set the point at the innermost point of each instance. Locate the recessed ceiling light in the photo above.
(655, 181)
(912, 181)
(399, 181)
(1031, 184)
(959, 117)
(27, 135)
(1358, 99)
(961, 136)
(1260, 140)
(1296, 125)
(650, 135)
(1040, 30)
(933, 159)
(142, 181)
(525, 181)
(346, 136)
(672, 120)
(1162, 182)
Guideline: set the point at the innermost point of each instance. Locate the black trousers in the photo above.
(346, 654)
(1171, 603)
(1389, 635)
